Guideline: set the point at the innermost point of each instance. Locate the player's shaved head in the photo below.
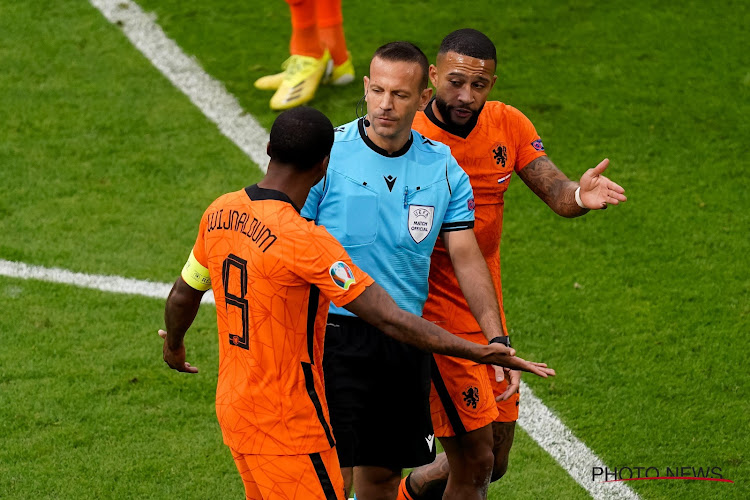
(469, 42)
(405, 52)
(301, 137)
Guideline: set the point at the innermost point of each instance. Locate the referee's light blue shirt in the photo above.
(388, 209)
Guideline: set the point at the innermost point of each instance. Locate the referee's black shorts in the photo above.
(378, 393)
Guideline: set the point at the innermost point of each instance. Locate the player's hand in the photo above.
(498, 354)
(514, 382)
(175, 358)
(492, 352)
(499, 373)
(598, 191)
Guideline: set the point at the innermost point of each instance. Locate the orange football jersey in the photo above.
(503, 141)
(273, 275)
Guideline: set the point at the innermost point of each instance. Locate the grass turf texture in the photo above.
(87, 408)
(107, 169)
(104, 161)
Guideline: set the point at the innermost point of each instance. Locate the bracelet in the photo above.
(501, 339)
(578, 198)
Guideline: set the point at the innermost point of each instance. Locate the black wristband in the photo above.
(501, 339)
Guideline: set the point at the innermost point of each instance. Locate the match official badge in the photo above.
(537, 144)
(420, 221)
(341, 275)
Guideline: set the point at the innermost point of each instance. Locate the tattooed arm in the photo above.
(558, 192)
(552, 186)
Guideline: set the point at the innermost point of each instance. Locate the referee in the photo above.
(388, 194)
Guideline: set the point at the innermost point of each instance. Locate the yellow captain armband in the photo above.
(195, 274)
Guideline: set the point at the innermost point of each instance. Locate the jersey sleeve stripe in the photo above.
(312, 314)
(457, 226)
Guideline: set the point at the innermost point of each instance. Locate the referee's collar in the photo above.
(462, 131)
(378, 149)
(257, 193)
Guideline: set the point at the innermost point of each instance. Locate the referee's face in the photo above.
(394, 95)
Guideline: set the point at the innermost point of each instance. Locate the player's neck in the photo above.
(288, 181)
(436, 112)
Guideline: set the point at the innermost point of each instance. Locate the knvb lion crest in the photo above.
(420, 221)
(471, 397)
(500, 153)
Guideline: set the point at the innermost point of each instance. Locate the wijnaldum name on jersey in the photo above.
(256, 230)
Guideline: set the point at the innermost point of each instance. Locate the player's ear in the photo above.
(494, 79)
(320, 169)
(366, 81)
(268, 148)
(424, 99)
(433, 75)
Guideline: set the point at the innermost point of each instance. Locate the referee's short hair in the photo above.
(469, 42)
(405, 52)
(301, 137)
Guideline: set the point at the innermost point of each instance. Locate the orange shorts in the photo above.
(291, 477)
(462, 396)
(508, 409)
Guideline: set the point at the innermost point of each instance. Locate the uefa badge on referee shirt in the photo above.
(420, 221)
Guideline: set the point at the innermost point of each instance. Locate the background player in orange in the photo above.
(491, 141)
(273, 275)
(318, 54)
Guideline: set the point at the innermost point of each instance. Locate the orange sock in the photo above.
(305, 40)
(403, 490)
(330, 23)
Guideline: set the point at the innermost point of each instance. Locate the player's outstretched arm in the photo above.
(179, 313)
(559, 192)
(376, 307)
(598, 191)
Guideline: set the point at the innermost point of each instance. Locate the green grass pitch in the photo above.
(642, 309)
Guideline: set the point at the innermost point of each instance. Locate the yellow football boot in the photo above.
(342, 74)
(272, 82)
(301, 79)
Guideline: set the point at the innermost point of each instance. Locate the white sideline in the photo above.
(185, 73)
(113, 284)
(556, 439)
(223, 109)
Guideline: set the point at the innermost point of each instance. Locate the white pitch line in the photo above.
(113, 284)
(185, 73)
(223, 109)
(556, 439)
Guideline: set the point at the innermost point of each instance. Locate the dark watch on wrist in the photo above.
(501, 339)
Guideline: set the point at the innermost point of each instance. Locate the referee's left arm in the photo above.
(474, 279)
